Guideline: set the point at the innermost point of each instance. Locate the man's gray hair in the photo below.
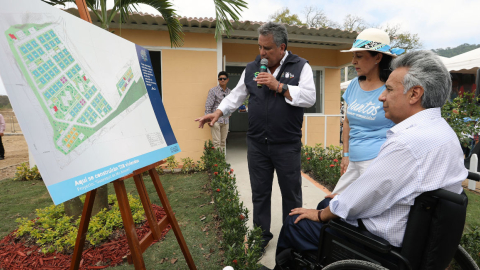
(278, 30)
(426, 70)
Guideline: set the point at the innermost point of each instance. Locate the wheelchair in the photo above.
(432, 236)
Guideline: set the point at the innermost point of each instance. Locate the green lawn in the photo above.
(473, 210)
(188, 198)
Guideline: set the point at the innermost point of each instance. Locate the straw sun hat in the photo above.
(376, 40)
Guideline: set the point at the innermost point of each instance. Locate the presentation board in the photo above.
(86, 100)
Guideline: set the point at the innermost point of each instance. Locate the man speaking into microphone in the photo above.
(279, 91)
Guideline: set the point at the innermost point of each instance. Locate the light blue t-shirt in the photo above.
(366, 117)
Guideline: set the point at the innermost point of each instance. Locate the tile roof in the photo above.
(242, 32)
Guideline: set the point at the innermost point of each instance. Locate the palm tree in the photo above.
(223, 10)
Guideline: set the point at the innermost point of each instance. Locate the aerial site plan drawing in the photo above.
(87, 100)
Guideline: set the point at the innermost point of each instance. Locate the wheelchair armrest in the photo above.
(473, 176)
(447, 195)
(363, 237)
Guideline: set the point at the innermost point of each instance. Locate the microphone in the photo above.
(263, 68)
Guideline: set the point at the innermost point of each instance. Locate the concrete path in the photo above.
(237, 157)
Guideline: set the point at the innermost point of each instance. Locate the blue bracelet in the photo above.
(345, 154)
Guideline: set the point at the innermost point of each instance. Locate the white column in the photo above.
(473, 168)
(219, 55)
(346, 73)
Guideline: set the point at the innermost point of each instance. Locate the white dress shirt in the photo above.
(303, 95)
(421, 153)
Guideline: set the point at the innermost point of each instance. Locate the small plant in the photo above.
(172, 163)
(53, 231)
(200, 167)
(24, 173)
(188, 165)
(159, 170)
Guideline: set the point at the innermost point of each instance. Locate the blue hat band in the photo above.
(376, 46)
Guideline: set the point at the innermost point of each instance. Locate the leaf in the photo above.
(173, 261)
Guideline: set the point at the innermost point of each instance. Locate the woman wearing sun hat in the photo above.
(365, 126)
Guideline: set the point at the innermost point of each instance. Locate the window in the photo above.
(318, 76)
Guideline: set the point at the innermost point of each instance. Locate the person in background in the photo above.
(365, 126)
(215, 96)
(2, 130)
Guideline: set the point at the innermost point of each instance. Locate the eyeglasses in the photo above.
(222, 79)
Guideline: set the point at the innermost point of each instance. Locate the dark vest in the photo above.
(270, 118)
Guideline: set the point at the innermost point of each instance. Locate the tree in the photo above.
(316, 18)
(404, 40)
(283, 16)
(223, 9)
(354, 23)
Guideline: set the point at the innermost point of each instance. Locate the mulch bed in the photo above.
(15, 254)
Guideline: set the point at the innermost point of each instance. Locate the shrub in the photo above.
(322, 163)
(457, 112)
(53, 231)
(172, 163)
(24, 173)
(232, 213)
(188, 165)
(159, 170)
(471, 242)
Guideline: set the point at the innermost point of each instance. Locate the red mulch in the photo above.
(15, 255)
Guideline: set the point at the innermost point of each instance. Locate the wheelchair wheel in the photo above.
(354, 265)
(464, 260)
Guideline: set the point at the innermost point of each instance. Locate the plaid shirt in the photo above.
(215, 96)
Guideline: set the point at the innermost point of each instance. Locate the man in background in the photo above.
(215, 96)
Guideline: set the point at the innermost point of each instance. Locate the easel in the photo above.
(136, 247)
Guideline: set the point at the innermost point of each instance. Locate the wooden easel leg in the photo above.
(127, 218)
(82, 230)
(172, 219)
(147, 206)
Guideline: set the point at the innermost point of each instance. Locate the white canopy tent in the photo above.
(468, 62)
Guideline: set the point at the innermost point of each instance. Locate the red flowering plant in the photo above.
(232, 213)
(322, 163)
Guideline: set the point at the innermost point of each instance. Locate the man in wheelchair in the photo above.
(421, 154)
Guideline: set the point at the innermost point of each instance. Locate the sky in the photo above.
(439, 23)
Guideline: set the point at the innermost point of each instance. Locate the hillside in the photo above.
(450, 52)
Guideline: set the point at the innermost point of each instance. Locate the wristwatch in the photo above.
(345, 154)
(284, 88)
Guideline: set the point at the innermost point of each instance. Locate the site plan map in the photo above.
(86, 99)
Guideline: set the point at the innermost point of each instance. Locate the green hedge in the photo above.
(241, 245)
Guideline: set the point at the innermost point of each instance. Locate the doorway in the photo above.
(238, 120)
